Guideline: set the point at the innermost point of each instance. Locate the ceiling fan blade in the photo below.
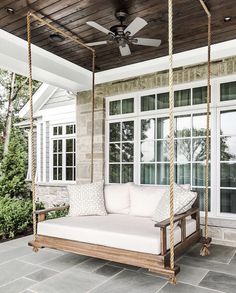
(96, 43)
(125, 51)
(136, 25)
(147, 42)
(99, 27)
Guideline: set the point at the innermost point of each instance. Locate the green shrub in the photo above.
(57, 214)
(15, 216)
(14, 166)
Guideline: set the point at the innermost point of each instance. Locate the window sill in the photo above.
(220, 222)
(56, 183)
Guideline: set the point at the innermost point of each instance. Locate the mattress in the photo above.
(114, 230)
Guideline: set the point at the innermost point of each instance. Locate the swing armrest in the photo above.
(46, 211)
(177, 218)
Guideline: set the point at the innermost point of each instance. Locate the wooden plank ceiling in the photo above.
(190, 26)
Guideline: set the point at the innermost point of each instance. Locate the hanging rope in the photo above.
(33, 163)
(206, 240)
(171, 140)
(93, 106)
(77, 40)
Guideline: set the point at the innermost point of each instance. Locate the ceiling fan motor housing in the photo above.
(121, 16)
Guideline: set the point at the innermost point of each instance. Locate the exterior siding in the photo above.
(41, 151)
(59, 99)
(47, 152)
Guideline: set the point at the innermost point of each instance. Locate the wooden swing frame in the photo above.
(155, 263)
(161, 264)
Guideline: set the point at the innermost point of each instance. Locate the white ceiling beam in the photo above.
(47, 67)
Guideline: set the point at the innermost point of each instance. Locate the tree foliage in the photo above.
(13, 167)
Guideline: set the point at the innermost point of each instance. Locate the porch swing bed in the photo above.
(124, 237)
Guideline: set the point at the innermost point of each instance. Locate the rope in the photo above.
(171, 140)
(33, 163)
(93, 106)
(66, 34)
(205, 247)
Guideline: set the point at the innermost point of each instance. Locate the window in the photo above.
(64, 153)
(124, 106)
(228, 91)
(142, 155)
(182, 98)
(190, 139)
(121, 152)
(227, 162)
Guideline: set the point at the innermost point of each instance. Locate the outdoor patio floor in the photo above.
(51, 271)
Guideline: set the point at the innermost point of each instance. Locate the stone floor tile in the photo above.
(40, 257)
(14, 253)
(108, 271)
(92, 264)
(208, 265)
(125, 266)
(41, 275)
(191, 275)
(15, 269)
(17, 286)
(131, 282)
(233, 260)
(219, 253)
(4, 248)
(73, 280)
(218, 281)
(64, 261)
(184, 288)
(22, 241)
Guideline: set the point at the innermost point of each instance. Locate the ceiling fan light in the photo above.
(10, 10)
(227, 18)
(56, 38)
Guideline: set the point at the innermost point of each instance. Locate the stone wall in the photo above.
(51, 194)
(142, 82)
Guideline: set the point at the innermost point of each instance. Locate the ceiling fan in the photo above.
(124, 35)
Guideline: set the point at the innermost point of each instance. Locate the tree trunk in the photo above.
(8, 122)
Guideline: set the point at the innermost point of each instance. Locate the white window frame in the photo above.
(216, 107)
(63, 137)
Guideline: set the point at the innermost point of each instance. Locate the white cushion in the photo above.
(183, 200)
(144, 199)
(186, 186)
(117, 198)
(119, 231)
(86, 199)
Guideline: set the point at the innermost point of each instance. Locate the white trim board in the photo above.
(47, 67)
(186, 58)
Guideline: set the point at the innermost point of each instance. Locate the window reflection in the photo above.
(227, 127)
(183, 126)
(147, 129)
(147, 151)
(162, 127)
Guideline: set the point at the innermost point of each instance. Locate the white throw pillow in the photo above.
(144, 199)
(86, 199)
(183, 201)
(117, 199)
(186, 186)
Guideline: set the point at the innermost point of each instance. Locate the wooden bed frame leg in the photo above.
(167, 272)
(35, 246)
